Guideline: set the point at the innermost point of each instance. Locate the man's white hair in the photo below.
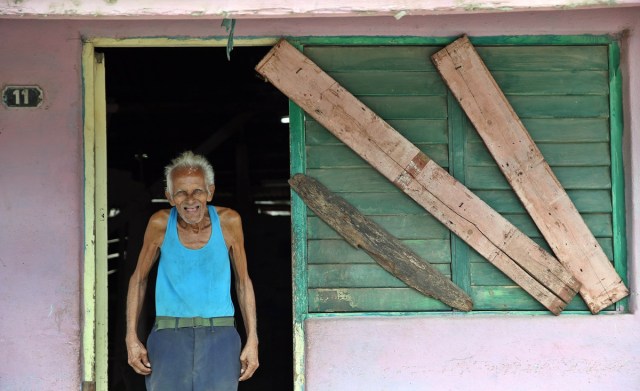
(189, 159)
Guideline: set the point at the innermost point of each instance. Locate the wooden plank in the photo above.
(539, 273)
(529, 174)
(386, 250)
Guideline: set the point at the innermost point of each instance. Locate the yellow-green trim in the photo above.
(180, 42)
(102, 293)
(89, 276)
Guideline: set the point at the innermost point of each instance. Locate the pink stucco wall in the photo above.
(41, 239)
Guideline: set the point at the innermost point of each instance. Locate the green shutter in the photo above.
(401, 85)
(561, 94)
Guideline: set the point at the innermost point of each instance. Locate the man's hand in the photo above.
(138, 358)
(248, 361)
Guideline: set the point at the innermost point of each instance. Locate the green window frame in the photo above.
(566, 90)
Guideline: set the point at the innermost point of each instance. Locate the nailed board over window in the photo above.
(562, 96)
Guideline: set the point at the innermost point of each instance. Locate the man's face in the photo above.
(190, 195)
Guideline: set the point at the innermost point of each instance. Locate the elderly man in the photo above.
(194, 344)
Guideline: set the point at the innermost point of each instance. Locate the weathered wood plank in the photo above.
(419, 176)
(529, 174)
(387, 251)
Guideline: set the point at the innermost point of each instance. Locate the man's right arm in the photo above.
(153, 237)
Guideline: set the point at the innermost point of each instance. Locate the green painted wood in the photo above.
(617, 168)
(339, 251)
(600, 224)
(401, 226)
(407, 58)
(560, 130)
(487, 177)
(367, 58)
(605, 243)
(571, 127)
(528, 40)
(384, 203)
(390, 253)
(508, 298)
(547, 58)
(298, 216)
(583, 154)
(458, 123)
(360, 179)
(385, 82)
(503, 40)
(371, 299)
(358, 276)
(407, 107)
(552, 82)
(327, 156)
(586, 201)
(418, 131)
(560, 106)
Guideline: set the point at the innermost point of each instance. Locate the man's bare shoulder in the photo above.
(160, 218)
(158, 224)
(228, 216)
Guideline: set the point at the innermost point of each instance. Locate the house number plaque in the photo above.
(22, 96)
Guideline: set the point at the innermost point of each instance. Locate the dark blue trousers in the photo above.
(194, 359)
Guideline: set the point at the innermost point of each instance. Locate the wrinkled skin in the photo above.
(190, 195)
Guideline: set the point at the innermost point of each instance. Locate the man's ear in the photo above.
(169, 198)
(212, 189)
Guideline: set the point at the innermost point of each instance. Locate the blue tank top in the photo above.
(194, 283)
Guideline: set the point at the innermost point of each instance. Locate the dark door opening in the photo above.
(160, 102)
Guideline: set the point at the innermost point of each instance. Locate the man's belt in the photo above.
(169, 322)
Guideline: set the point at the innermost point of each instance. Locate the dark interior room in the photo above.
(161, 102)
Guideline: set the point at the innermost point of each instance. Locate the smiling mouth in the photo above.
(191, 209)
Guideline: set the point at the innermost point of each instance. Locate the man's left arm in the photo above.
(233, 235)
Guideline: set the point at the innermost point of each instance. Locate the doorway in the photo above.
(163, 101)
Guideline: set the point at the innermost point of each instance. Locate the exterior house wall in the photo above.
(41, 245)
